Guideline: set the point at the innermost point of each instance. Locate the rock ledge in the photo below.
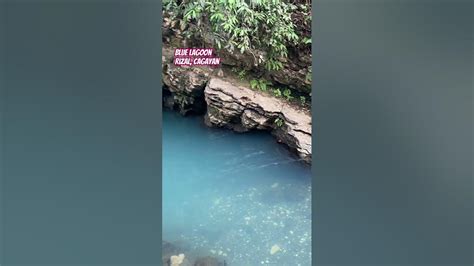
(242, 109)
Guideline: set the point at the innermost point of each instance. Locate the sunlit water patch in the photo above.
(239, 197)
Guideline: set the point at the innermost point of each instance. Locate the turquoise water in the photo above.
(234, 196)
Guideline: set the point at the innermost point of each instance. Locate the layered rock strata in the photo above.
(242, 109)
(229, 102)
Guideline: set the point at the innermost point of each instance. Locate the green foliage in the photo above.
(279, 122)
(243, 25)
(260, 84)
(242, 74)
(302, 100)
(272, 64)
(287, 94)
(181, 100)
(309, 74)
(277, 92)
(254, 83)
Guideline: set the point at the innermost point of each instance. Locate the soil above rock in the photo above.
(226, 101)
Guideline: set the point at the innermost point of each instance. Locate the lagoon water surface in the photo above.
(240, 197)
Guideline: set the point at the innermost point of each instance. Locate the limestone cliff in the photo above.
(242, 109)
(229, 102)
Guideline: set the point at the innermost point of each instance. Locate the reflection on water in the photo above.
(239, 197)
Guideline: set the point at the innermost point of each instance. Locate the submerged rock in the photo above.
(167, 251)
(274, 249)
(174, 255)
(208, 261)
(177, 260)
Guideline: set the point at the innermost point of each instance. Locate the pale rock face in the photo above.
(242, 109)
(237, 107)
(252, 119)
(181, 79)
(186, 86)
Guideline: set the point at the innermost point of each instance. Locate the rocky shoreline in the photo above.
(224, 98)
(225, 101)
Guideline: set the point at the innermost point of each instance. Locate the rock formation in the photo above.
(243, 109)
(177, 260)
(237, 107)
(228, 102)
